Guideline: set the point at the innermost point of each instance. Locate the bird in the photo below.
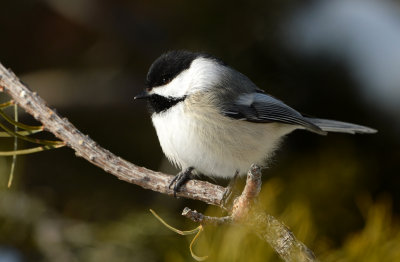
(212, 120)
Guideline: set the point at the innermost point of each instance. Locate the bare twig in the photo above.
(243, 204)
(247, 212)
(280, 238)
(245, 209)
(205, 220)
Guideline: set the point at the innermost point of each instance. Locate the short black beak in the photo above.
(143, 95)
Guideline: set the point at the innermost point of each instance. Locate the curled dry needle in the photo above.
(196, 231)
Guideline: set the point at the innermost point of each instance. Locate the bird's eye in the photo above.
(165, 79)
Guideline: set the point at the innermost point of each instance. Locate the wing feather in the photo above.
(262, 108)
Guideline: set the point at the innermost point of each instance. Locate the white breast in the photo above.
(213, 144)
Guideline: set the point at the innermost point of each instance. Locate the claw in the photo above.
(180, 179)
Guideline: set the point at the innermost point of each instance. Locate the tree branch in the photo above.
(245, 210)
(88, 149)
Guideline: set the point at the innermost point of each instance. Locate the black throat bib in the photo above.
(160, 104)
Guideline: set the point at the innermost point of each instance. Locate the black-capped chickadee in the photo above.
(213, 120)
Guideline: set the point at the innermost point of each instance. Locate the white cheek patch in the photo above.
(177, 88)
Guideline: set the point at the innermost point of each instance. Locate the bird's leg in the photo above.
(229, 189)
(180, 179)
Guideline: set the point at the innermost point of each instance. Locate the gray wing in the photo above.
(262, 108)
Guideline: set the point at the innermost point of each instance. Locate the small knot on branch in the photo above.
(205, 220)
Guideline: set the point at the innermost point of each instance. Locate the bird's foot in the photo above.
(180, 179)
(229, 190)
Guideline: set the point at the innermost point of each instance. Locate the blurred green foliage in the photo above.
(43, 234)
(340, 194)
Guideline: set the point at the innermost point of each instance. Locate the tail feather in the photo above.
(341, 127)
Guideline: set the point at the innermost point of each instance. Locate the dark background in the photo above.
(88, 59)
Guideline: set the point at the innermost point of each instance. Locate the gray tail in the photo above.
(341, 127)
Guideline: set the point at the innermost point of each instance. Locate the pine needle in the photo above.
(29, 150)
(197, 230)
(197, 258)
(180, 232)
(14, 158)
